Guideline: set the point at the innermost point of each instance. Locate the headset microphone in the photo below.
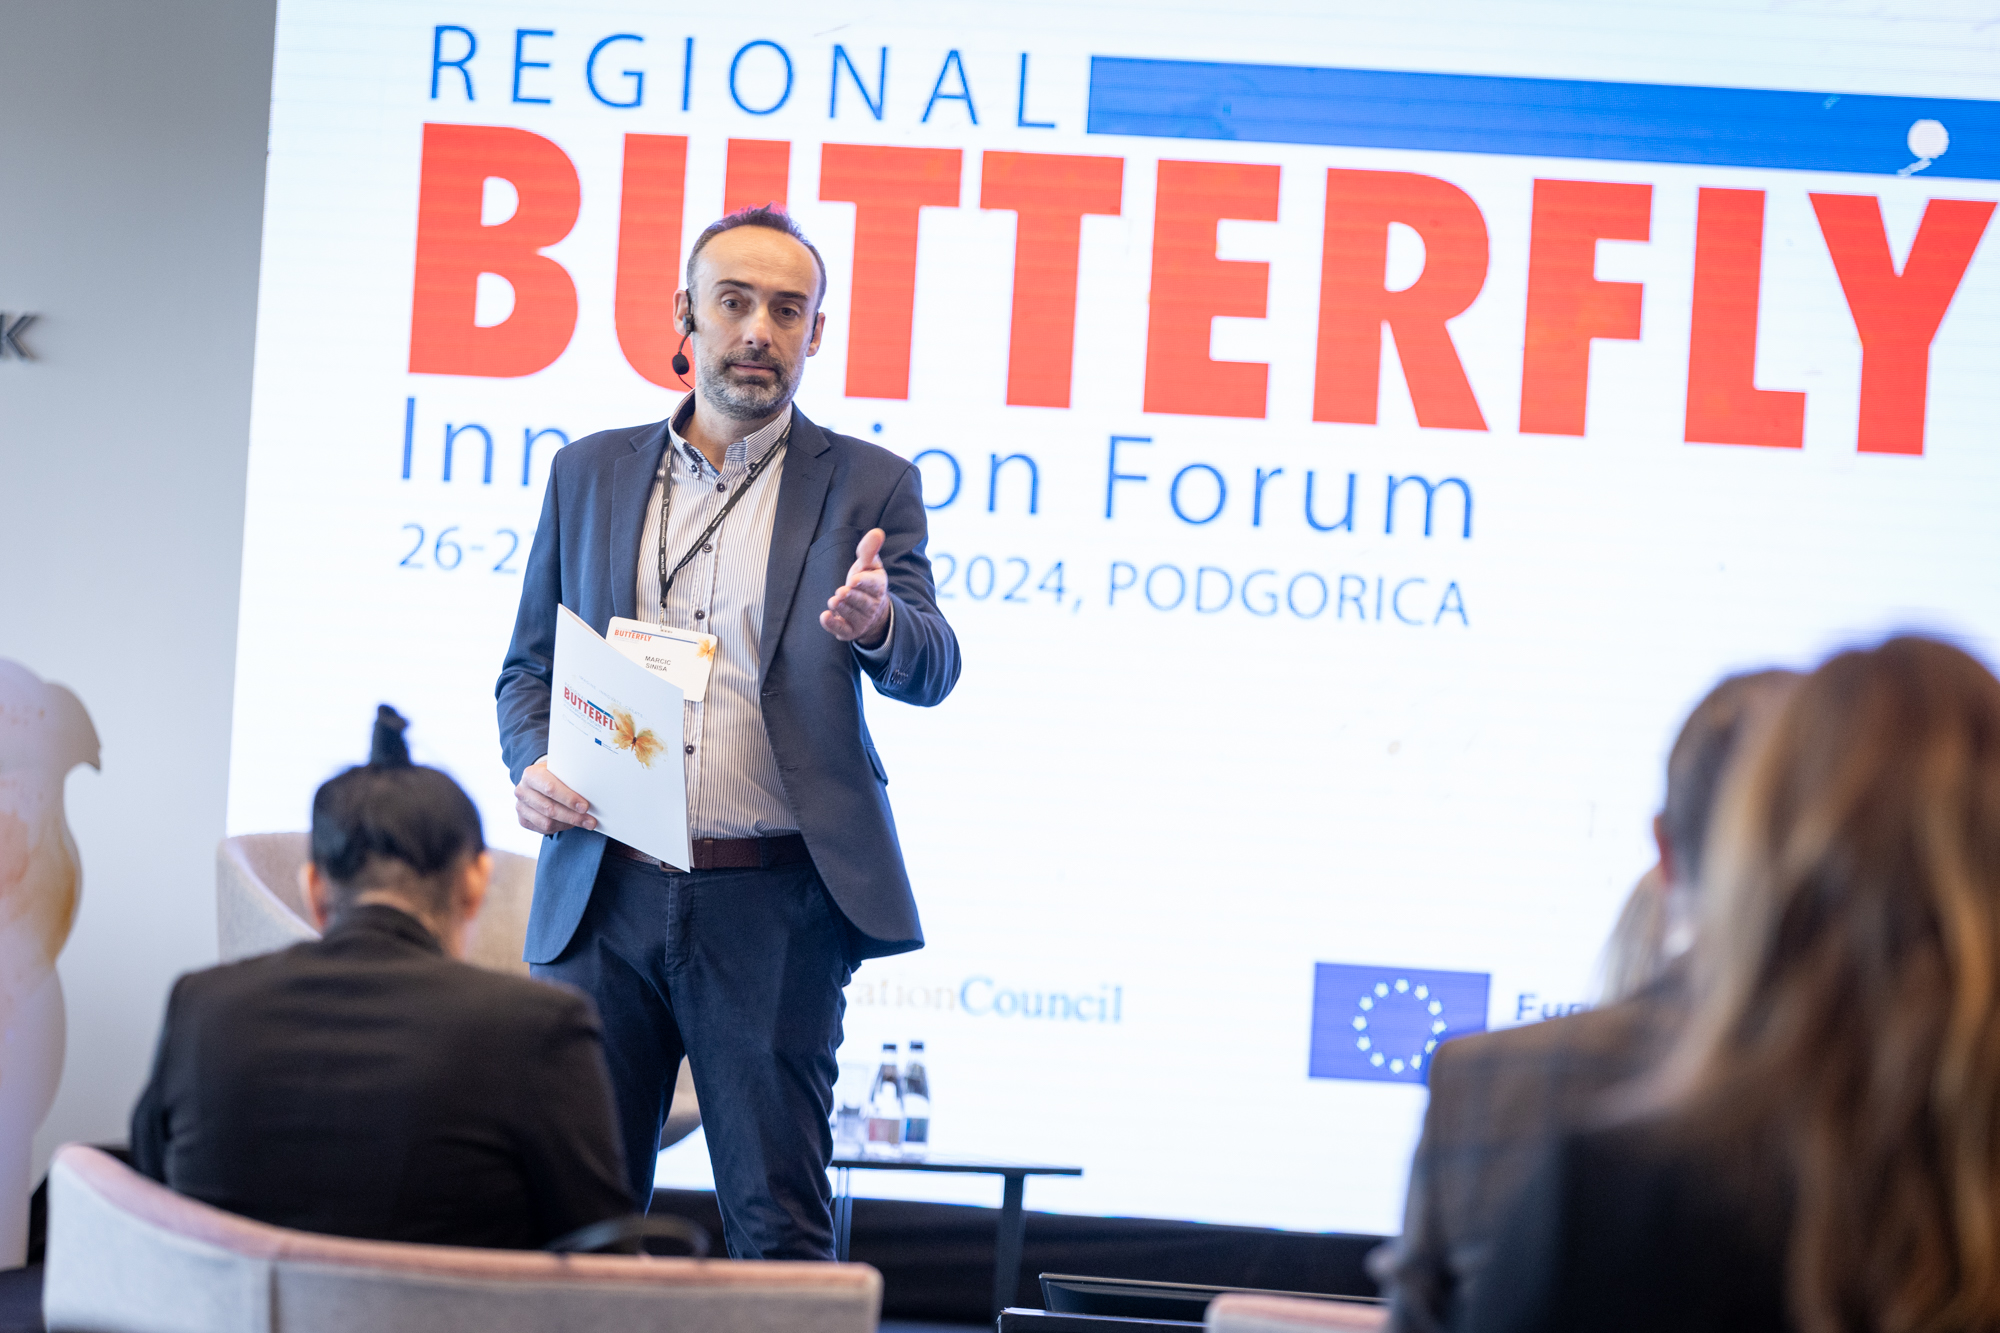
(680, 361)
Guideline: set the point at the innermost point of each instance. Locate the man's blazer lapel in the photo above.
(631, 487)
(801, 496)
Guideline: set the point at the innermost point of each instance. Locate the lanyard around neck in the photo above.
(667, 576)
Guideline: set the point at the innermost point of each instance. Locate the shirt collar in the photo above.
(739, 451)
(380, 918)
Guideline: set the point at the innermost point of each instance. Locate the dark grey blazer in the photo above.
(1642, 1227)
(1497, 1100)
(834, 488)
(366, 1085)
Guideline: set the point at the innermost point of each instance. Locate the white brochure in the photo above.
(615, 738)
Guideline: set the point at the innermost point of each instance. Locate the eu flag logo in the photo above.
(1383, 1023)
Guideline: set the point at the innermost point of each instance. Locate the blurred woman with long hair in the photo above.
(1822, 1152)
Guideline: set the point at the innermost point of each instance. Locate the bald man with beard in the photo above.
(802, 551)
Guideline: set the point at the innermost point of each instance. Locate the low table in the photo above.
(1013, 1222)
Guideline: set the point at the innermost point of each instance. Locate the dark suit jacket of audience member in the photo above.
(367, 1085)
(1633, 1229)
(1496, 1100)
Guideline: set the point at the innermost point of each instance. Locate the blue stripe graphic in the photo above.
(1468, 113)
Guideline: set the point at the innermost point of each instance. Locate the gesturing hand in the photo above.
(544, 804)
(858, 611)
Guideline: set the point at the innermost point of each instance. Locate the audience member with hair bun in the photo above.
(1819, 1152)
(368, 1083)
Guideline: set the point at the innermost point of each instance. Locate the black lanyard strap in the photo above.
(667, 576)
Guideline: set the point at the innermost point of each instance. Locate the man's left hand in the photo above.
(858, 611)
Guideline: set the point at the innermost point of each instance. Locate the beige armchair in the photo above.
(128, 1256)
(1255, 1312)
(260, 907)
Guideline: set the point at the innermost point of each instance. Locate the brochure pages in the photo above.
(615, 738)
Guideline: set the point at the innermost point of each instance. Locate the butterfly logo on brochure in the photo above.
(1383, 1024)
(614, 726)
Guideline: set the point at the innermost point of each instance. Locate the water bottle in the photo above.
(847, 1132)
(885, 1105)
(916, 1101)
(850, 1121)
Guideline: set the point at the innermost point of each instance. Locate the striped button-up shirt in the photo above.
(733, 789)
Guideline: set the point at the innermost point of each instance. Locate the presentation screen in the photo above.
(1352, 439)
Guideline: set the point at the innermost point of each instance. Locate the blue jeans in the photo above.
(743, 972)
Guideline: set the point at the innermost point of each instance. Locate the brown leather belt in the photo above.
(728, 853)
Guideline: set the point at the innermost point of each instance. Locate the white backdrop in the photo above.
(1173, 809)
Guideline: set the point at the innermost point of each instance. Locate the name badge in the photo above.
(680, 656)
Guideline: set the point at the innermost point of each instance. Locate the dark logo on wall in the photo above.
(11, 329)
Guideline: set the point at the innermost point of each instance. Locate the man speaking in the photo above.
(803, 553)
